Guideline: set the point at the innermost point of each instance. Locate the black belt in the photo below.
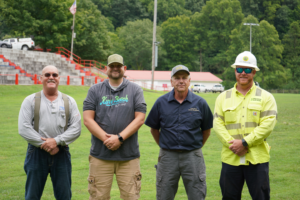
(178, 150)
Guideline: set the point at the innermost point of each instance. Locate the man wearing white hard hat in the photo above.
(244, 117)
(113, 111)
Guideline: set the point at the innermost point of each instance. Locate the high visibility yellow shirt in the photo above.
(252, 117)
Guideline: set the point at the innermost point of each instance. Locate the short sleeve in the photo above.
(139, 101)
(153, 119)
(90, 101)
(207, 117)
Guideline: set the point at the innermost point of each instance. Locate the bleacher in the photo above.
(28, 63)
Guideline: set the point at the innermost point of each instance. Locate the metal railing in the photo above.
(76, 59)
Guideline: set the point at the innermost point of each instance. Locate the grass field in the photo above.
(284, 164)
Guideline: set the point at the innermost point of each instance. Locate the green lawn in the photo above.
(284, 164)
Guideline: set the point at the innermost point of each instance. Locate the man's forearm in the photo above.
(25, 127)
(30, 135)
(92, 126)
(134, 126)
(155, 133)
(205, 135)
(71, 134)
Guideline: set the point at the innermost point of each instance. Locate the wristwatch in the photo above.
(245, 144)
(120, 138)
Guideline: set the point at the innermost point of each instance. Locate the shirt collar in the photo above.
(249, 92)
(188, 98)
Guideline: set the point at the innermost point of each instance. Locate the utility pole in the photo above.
(153, 42)
(251, 24)
(156, 54)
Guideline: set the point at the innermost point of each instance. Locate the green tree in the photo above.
(282, 20)
(92, 41)
(212, 28)
(167, 9)
(4, 29)
(117, 44)
(177, 34)
(291, 42)
(266, 47)
(270, 7)
(48, 21)
(137, 51)
(271, 10)
(261, 9)
(194, 5)
(122, 11)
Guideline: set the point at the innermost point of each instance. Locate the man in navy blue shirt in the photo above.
(180, 123)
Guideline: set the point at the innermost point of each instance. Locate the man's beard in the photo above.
(115, 77)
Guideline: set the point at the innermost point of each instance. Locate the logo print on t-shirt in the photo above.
(114, 100)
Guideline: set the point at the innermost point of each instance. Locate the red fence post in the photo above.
(17, 79)
(82, 80)
(68, 80)
(35, 79)
(95, 79)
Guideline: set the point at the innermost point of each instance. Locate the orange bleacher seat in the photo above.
(77, 66)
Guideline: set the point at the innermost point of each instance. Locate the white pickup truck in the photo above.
(18, 43)
(199, 88)
(217, 88)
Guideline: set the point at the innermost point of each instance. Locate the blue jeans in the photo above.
(39, 163)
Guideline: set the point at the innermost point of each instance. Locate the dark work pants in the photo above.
(38, 164)
(189, 165)
(257, 178)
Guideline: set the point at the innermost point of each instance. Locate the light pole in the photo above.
(251, 24)
(156, 54)
(153, 42)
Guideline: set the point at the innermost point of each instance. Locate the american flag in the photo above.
(73, 8)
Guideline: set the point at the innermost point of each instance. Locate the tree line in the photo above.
(204, 35)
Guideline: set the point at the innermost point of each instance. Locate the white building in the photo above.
(162, 79)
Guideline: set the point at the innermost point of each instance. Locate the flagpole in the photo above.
(73, 27)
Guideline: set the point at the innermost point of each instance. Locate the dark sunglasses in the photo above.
(54, 75)
(246, 70)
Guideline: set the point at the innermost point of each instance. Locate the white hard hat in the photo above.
(246, 59)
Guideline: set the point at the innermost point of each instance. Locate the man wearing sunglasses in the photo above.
(49, 121)
(244, 117)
